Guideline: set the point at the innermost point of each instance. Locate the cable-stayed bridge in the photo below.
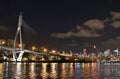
(20, 51)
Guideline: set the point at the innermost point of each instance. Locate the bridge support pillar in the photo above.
(20, 56)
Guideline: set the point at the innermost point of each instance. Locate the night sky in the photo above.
(63, 25)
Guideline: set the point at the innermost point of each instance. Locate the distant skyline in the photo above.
(64, 25)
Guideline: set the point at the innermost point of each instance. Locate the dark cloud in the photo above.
(91, 28)
(115, 15)
(114, 42)
(94, 24)
(3, 28)
(116, 24)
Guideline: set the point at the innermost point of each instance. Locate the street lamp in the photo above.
(53, 51)
(33, 48)
(94, 46)
(19, 45)
(45, 49)
(3, 42)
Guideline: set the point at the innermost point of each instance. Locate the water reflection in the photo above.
(32, 70)
(44, 73)
(18, 71)
(1, 70)
(90, 70)
(53, 72)
(12, 70)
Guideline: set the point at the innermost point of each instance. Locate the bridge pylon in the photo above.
(18, 33)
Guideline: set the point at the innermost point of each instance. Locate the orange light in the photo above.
(33, 48)
(3, 42)
(19, 45)
(45, 50)
(53, 51)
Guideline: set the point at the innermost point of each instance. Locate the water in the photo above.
(12, 70)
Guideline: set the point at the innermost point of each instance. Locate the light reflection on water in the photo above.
(12, 70)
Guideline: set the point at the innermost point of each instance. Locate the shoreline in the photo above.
(52, 61)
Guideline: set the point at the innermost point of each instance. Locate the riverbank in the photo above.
(53, 61)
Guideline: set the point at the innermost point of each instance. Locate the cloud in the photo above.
(81, 33)
(92, 28)
(94, 24)
(3, 28)
(62, 35)
(116, 24)
(78, 27)
(118, 38)
(72, 43)
(115, 19)
(113, 42)
(115, 15)
(86, 33)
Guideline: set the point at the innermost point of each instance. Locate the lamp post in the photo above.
(19, 45)
(45, 50)
(33, 48)
(2, 42)
(53, 51)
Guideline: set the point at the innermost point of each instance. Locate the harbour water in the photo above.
(13, 70)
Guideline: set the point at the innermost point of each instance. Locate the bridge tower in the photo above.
(18, 33)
